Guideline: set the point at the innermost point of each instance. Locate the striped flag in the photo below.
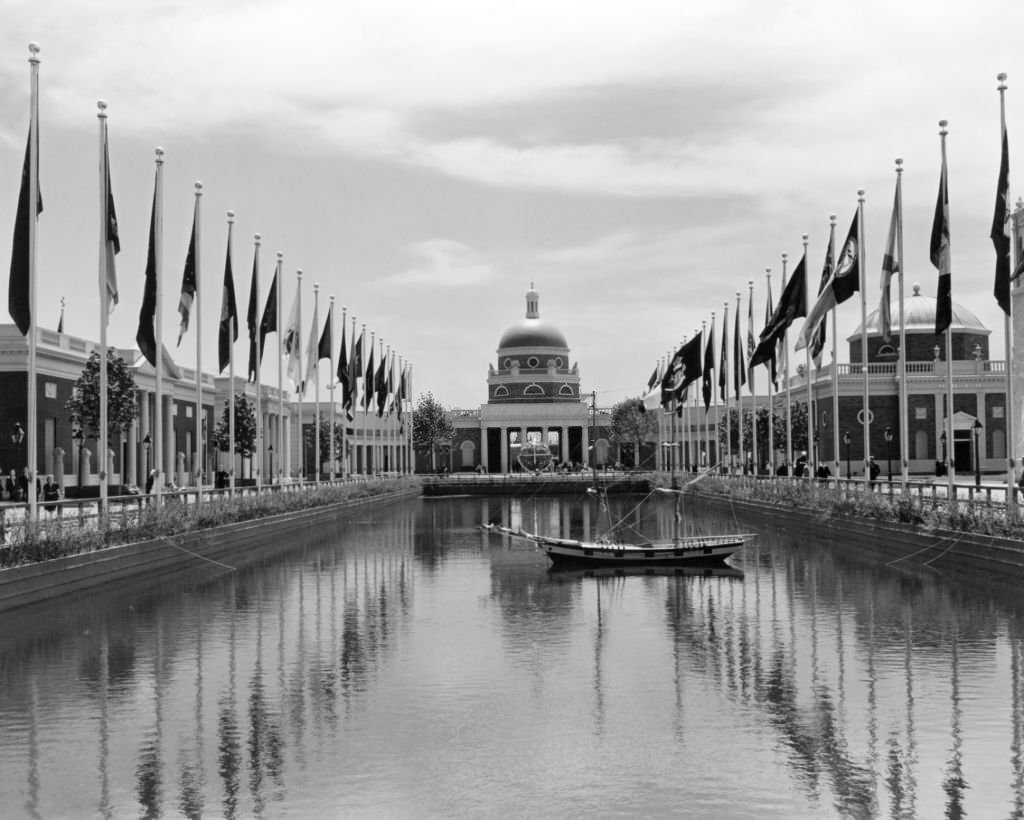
(188, 279)
(940, 255)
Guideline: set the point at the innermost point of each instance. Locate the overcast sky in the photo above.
(640, 162)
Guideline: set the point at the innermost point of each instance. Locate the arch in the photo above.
(533, 390)
(886, 351)
(601, 448)
(566, 390)
(468, 454)
(921, 444)
(501, 392)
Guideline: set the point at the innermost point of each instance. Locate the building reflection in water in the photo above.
(866, 692)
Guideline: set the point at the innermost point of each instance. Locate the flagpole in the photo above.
(316, 385)
(697, 462)
(864, 332)
(831, 256)
(771, 398)
(725, 399)
(903, 422)
(344, 415)
(331, 380)
(951, 460)
(1011, 461)
(737, 369)
(280, 367)
(104, 316)
(300, 385)
(197, 304)
(786, 354)
(231, 378)
(32, 462)
(260, 433)
(750, 376)
(714, 403)
(158, 254)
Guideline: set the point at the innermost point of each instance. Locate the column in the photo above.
(504, 449)
(131, 469)
(586, 446)
(169, 454)
(484, 459)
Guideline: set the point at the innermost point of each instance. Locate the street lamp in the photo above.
(977, 455)
(78, 439)
(945, 466)
(888, 450)
(270, 453)
(17, 433)
(846, 443)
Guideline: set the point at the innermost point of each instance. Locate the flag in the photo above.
(750, 335)
(252, 316)
(772, 361)
(146, 334)
(845, 281)
(312, 349)
(355, 371)
(324, 349)
(343, 365)
(723, 359)
(400, 395)
(792, 305)
(818, 341)
(651, 398)
(18, 284)
(707, 384)
(60, 322)
(1000, 233)
(940, 254)
(188, 280)
(682, 370)
(228, 334)
(380, 385)
(890, 266)
(368, 381)
(268, 324)
(111, 241)
(739, 376)
(291, 344)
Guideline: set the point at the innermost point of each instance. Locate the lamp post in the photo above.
(977, 455)
(270, 454)
(945, 466)
(888, 450)
(78, 439)
(846, 443)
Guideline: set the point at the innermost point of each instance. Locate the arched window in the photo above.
(886, 351)
(501, 392)
(468, 449)
(533, 390)
(921, 444)
(601, 451)
(566, 390)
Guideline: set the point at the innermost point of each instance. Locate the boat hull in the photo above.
(691, 552)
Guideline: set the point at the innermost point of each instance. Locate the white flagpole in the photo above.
(316, 384)
(831, 254)
(1008, 414)
(712, 457)
(901, 429)
(197, 307)
(737, 347)
(280, 370)
(950, 457)
(771, 399)
(788, 460)
(750, 378)
(260, 433)
(864, 332)
(158, 253)
(331, 378)
(345, 468)
(725, 401)
(33, 198)
(300, 387)
(231, 380)
(101, 456)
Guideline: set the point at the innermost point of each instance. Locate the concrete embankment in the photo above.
(228, 547)
(900, 545)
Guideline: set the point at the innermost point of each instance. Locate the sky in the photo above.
(424, 163)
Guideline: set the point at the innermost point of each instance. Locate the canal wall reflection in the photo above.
(308, 680)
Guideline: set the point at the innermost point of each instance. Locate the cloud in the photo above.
(443, 263)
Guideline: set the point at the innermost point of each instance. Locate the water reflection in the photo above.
(403, 662)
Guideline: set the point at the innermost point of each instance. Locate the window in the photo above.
(558, 361)
(508, 364)
(566, 390)
(500, 392)
(886, 352)
(468, 451)
(533, 390)
(998, 444)
(533, 361)
(921, 444)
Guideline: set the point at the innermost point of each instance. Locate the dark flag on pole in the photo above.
(18, 285)
(146, 335)
(380, 385)
(723, 359)
(817, 343)
(343, 365)
(792, 305)
(684, 369)
(940, 254)
(355, 370)
(368, 380)
(739, 368)
(773, 365)
(324, 348)
(252, 317)
(268, 324)
(112, 240)
(228, 333)
(188, 281)
(846, 280)
(890, 267)
(1001, 230)
(707, 379)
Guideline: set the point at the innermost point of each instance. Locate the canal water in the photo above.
(400, 662)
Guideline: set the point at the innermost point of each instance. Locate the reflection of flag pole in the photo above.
(32, 213)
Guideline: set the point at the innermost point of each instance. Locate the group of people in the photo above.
(15, 488)
(801, 468)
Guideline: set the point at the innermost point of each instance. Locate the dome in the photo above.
(532, 331)
(919, 316)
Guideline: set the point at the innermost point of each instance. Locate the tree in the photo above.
(245, 427)
(84, 405)
(326, 429)
(799, 427)
(431, 427)
(630, 425)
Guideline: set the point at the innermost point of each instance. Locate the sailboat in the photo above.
(611, 551)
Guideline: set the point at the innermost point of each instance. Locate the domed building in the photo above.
(979, 396)
(533, 397)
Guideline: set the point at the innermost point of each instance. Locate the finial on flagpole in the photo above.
(33, 49)
(199, 188)
(768, 273)
(231, 216)
(159, 152)
(298, 273)
(860, 194)
(942, 127)
(899, 165)
(785, 256)
(804, 237)
(1001, 76)
(256, 238)
(832, 219)
(316, 287)
(102, 106)
(280, 256)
